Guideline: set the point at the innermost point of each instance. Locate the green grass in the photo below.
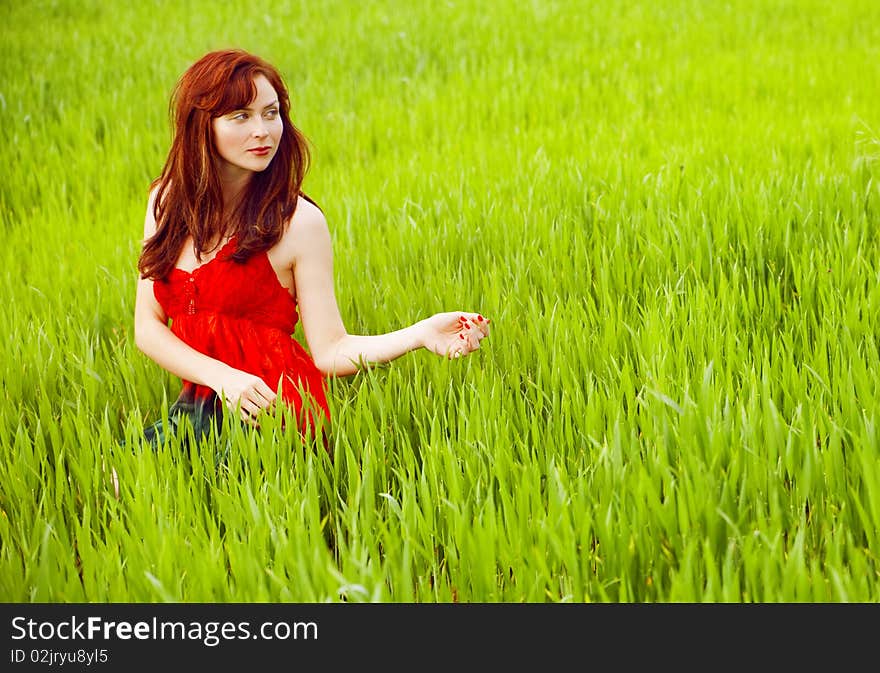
(669, 211)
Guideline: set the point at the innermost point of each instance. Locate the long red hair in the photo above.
(189, 200)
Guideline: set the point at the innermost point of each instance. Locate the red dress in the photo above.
(240, 314)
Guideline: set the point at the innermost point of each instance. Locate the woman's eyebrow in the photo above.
(274, 103)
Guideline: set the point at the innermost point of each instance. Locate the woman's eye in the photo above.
(240, 115)
(271, 114)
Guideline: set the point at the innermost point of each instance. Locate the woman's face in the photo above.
(247, 139)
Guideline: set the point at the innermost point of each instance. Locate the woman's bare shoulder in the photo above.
(149, 217)
(307, 217)
(307, 226)
(155, 187)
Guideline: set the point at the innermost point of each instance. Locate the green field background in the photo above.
(669, 211)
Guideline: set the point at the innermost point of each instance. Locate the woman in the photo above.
(234, 254)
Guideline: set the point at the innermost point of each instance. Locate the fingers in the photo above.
(264, 392)
(474, 329)
(482, 324)
(470, 330)
(250, 401)
(476, 322)
(245, 409)
(253, 398)
(249, 408)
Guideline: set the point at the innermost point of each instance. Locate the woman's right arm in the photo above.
(155, 339)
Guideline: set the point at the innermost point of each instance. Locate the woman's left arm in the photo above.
(334, 350)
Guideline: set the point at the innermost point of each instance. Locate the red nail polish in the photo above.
(461, 336)
(480, 318)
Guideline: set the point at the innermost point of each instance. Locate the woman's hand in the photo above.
(453, 334)
(245, 394)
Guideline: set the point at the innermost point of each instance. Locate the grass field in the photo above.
(669, 210)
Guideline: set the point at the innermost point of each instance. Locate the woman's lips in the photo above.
(260, 151)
